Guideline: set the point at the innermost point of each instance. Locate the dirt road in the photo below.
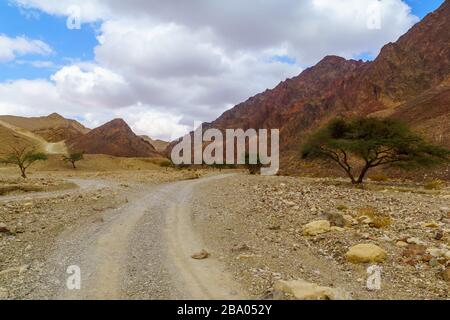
(141, 250)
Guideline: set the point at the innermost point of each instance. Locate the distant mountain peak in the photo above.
(114, 138)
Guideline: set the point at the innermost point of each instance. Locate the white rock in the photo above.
(303, 290)
(436, 253)
(415, 241)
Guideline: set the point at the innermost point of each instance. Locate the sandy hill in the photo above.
(159, 145)
(53, 128)
(10, 138)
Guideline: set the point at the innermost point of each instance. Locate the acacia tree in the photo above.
(23, 157)
(372, 143)
(73, 158)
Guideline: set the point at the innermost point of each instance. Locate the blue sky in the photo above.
(68, 45)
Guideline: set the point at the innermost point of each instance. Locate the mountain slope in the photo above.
(114, 138)
(159, 145)
(53, 128)
(15, 136)
(407, 76)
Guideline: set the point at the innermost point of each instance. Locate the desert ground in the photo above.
(141, 231)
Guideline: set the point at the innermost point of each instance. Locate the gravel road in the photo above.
(141, 250)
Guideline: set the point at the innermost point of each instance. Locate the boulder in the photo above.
(446, 274)
(317, 227)
(200, 255)
(366, 253)
(303, 290)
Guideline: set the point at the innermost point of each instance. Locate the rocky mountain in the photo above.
(159, 145)
(53, 128)
(114, 138)
(9, 138)
(409, 80)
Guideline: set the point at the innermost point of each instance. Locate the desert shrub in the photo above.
(434, 185)
(165, 164)
(378, 219)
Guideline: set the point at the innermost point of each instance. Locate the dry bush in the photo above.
(379, 220)
(342, 207)
(434, 185)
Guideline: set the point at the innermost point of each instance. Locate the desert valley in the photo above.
(111, 202)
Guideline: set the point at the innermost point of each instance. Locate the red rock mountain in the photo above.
(53, 128)
(114, 138)
(409, 80)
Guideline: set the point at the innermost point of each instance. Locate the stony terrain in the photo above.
(256, 225)
(32, 219)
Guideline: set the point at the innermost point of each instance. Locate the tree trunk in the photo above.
(352, 178)
(22, 170)
(73, 164)
(363, 174)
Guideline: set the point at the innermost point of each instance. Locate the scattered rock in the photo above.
(202, 255)
(437, 253)
(401, 244)
(439, 235)
(432, 224)
(415, 241)
(414, 250)
(317, 227)
(446, 274)
(3, 228)
(337, 229)
(365, 253)
(336, 219)
(303, 290)
(240, 248)
(4, 294)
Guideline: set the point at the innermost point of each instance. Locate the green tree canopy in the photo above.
(23, 158)
(374, 142)
(73, 158)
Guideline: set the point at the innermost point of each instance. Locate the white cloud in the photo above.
(164, 64)
(10, 48)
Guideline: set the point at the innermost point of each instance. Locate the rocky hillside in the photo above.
(159, 145)
(52, 128)
(10, 138)
(408, 80)
(114, 138)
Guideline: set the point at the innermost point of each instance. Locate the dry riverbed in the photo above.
(255, 225)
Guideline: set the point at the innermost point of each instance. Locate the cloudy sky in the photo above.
(161, 65)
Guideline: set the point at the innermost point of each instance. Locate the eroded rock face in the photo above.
(114, 138)
(409, 80)
(366, 253)
(303, 290)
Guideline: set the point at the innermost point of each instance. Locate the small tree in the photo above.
(73, 158)
(253, 168)
(23, 158)
(372, 142)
